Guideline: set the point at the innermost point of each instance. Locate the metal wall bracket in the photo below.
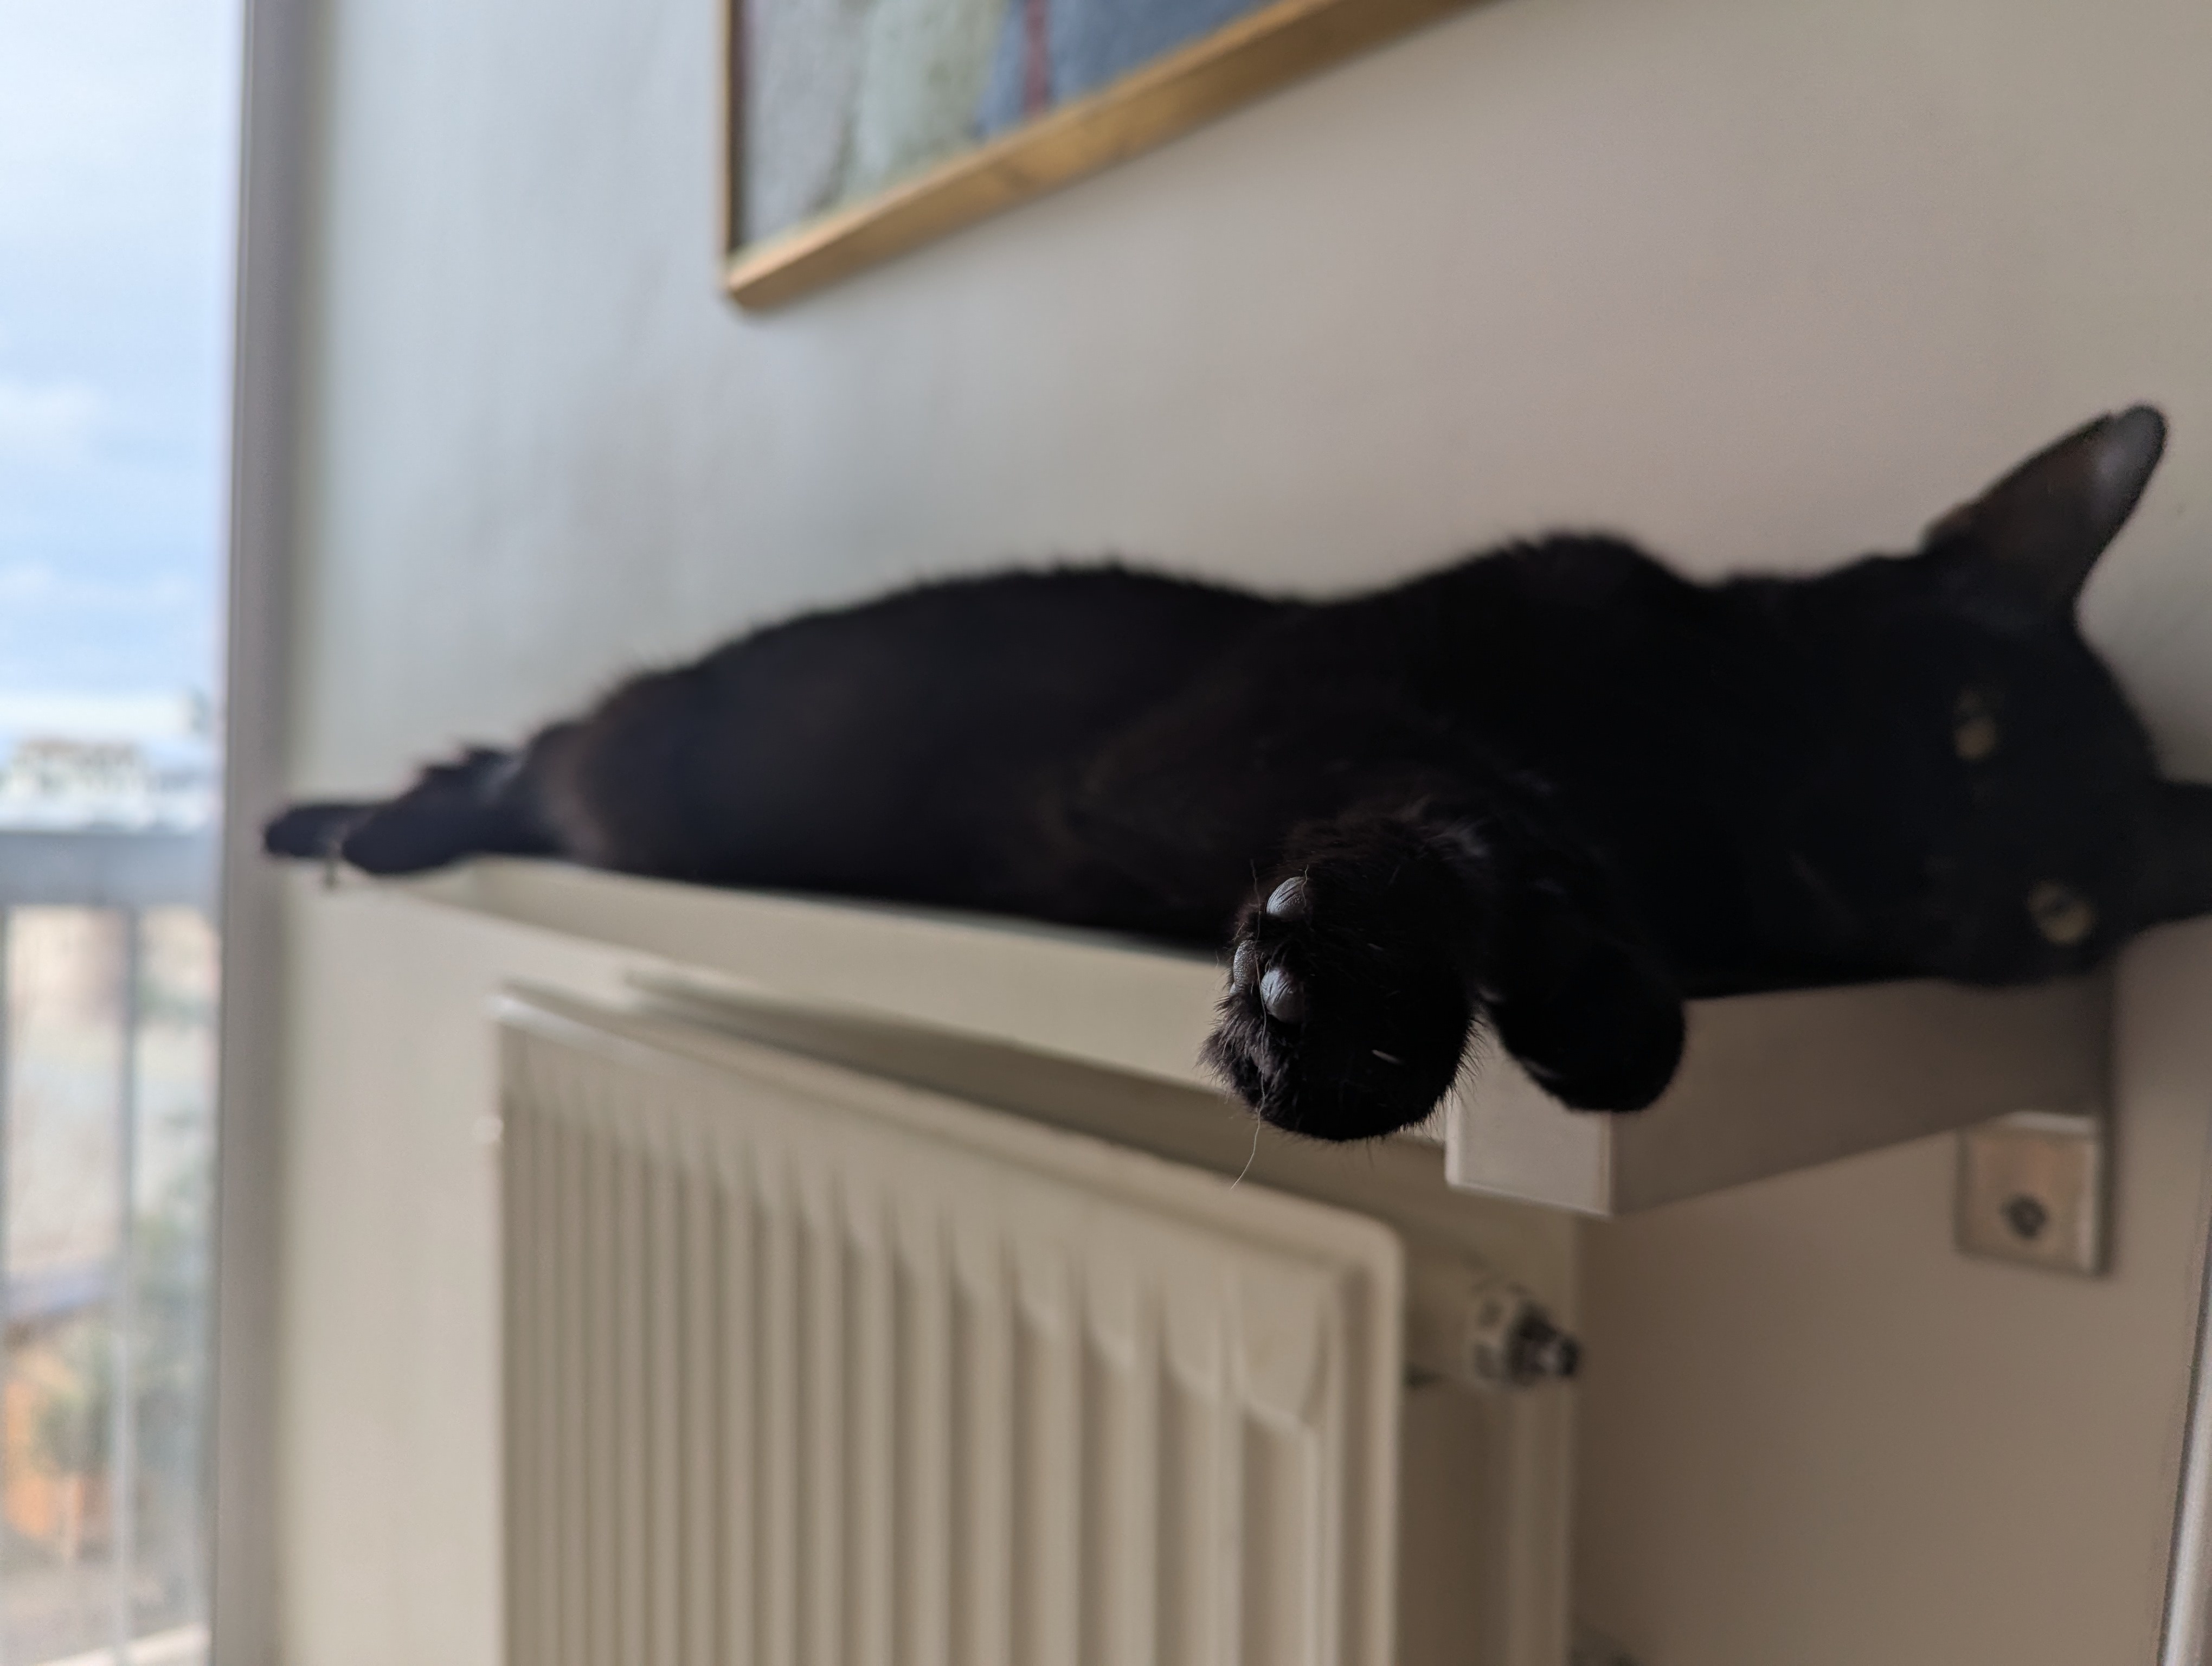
(2034, 1188)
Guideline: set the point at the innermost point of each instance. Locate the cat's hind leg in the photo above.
(481, 803)
(1361, 969)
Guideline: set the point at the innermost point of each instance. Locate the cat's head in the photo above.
(1978, 800)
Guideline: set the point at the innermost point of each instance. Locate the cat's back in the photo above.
(1067, 646)
(784, 756)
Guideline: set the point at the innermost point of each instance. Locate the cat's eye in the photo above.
(2062, 915)
(1974, 729)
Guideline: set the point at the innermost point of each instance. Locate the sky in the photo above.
(118, 135)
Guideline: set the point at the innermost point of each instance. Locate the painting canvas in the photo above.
(845, 97)
(859, 127)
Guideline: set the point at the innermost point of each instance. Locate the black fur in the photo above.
(1554, 790)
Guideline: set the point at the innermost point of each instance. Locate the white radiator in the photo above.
(807, 1368)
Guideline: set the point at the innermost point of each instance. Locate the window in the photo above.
(116, 176)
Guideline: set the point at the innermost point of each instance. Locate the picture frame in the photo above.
(774, 256)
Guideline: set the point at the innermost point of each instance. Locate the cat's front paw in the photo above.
(1348, 1006)
(1591, 1018)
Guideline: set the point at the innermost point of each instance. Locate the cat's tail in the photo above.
(478, 806)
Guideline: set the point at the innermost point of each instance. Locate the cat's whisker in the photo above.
(1248, 1161)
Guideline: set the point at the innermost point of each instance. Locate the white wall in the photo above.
(1764, 284)
(387, 1496)
(1813, 1433)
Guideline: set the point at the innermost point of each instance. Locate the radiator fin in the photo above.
(805, 1370)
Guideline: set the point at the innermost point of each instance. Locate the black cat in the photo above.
(1554, 788)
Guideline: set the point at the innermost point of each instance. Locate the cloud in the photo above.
(29, 583)
(111, 114)
(116, 163)
(46, 424)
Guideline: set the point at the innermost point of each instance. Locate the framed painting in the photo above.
(860, 128)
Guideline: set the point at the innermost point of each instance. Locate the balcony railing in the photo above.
(107, 991)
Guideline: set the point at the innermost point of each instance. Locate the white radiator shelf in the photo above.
(1769, 1084)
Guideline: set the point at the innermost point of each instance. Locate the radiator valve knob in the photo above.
(1467, 1325)
(1541, 1350)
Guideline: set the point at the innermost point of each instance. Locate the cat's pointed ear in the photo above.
(2047, 521)
(2180, 883)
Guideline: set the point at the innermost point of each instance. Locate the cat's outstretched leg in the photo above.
(314, 832)
(483, 804)
(1361, 969)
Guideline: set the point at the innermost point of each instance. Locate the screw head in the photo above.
(2027, 1216)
